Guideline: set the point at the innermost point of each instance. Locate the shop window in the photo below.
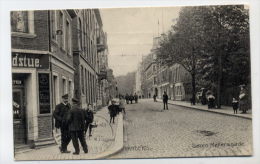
(44, 93)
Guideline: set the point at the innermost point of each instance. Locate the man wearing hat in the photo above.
(60, 114)
(76, 119)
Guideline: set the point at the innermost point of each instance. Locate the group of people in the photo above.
(242, 102)
(130, 98)
(73, 123)
(239, 103)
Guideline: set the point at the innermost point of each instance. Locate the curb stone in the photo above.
(210, 110)
(119, 140)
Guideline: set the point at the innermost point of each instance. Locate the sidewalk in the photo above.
(226, 110)
(106, 140)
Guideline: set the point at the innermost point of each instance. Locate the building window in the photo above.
(20, 21)
(60, 26)
(22, 24)
(82, 80)
(63, 86)
(70, 88)
(86, 84)
(80, 34)
(68, 38)
(53, 25)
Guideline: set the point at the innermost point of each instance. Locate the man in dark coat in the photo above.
(136, 98)
(60, 114)
(165, 101)
(89, 119)
(127, 98)
(76, 119)
(113, 108)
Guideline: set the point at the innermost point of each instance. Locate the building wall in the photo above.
(30, 37)
(84, 39)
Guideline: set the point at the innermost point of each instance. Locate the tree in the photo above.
(183, 43)
(212, 43)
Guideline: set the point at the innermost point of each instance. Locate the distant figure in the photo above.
(211, 101)
(136, 98)
(89, 119)
(243, 106)
(154, 98)
(235, 105)
(131, 98)
(127, 98)
(112, 111)
(121, 105)
(192, 100)
(165, 101)
(76, 120)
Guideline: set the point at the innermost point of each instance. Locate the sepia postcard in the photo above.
(120, 83)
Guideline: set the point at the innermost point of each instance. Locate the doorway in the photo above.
(19, 116)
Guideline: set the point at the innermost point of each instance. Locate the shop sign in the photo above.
(44, 93)
(17, 82)
(26, 60)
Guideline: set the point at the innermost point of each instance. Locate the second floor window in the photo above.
(60, 26)
(20, 21)
(68, 38)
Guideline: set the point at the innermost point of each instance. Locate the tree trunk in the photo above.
(219, 80)
(193, 87)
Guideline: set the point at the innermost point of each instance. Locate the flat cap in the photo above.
(65, 96)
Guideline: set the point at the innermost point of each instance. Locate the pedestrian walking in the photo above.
(211, 100)
(60, 115)
(131, 98)
(121, 105)
(165, 101)
(89, 120)
(235, 105)
(112, 111)
(127, 98)
(154, 98)
(243, 106)
(76, 119)
(136, 98)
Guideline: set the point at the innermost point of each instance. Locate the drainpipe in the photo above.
(50, 57)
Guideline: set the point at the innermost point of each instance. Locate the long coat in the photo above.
(113, 110)
(60, 114)
(243, 102)
(76, 119)
(165, 98)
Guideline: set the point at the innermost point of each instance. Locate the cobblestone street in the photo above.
(182, 132)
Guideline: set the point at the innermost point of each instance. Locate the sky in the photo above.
(130, 33)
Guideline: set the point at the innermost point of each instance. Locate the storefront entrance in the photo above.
(19, 111)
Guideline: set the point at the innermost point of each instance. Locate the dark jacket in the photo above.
(113, 110)
(60, 114)
(165, 97)
(89, 116)
(76, 119)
